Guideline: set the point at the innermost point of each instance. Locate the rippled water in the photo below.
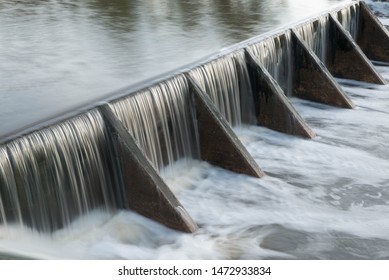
(323, 198)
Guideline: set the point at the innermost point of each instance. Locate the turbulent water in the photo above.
(324, 198)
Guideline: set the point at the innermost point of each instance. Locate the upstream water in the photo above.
(323, 198)
(56, 55)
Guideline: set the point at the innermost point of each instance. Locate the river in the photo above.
(325, 198)
(58, 55)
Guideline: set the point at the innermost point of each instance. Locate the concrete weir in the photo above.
(214, 130)
(272, 106)
(112, 155)
(147, 193)
(346, 59)
(312, 80)
(372, 36)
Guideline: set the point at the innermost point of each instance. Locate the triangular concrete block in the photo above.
(147, 193)
(312, 80)
(345, 58)
(273, 108)
(373, 37)
(219, 145)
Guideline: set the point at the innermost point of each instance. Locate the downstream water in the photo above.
(322, 198)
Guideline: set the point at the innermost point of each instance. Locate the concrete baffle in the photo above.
(145, 190)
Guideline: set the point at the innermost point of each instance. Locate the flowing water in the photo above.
(317, 37)
(275, 54)
(161, 120)
(227, 83)
(53, 175)
(322, 198)
(57, 55)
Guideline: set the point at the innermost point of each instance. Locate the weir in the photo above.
(111, 156)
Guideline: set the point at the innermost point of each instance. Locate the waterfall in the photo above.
(349, 19)
(8, 190)
(50, 176)
(316, 35)
(161, 120)
(227, 83)
(275, 54)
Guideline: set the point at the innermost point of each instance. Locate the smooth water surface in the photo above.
(58, 55)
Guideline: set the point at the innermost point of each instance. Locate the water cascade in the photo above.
(275, 54)
(161, 119)
(112, 155)
(227, 83)
(349, 19)
(366, 30)
(316, 35)
(330, 40)
(55, 174)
